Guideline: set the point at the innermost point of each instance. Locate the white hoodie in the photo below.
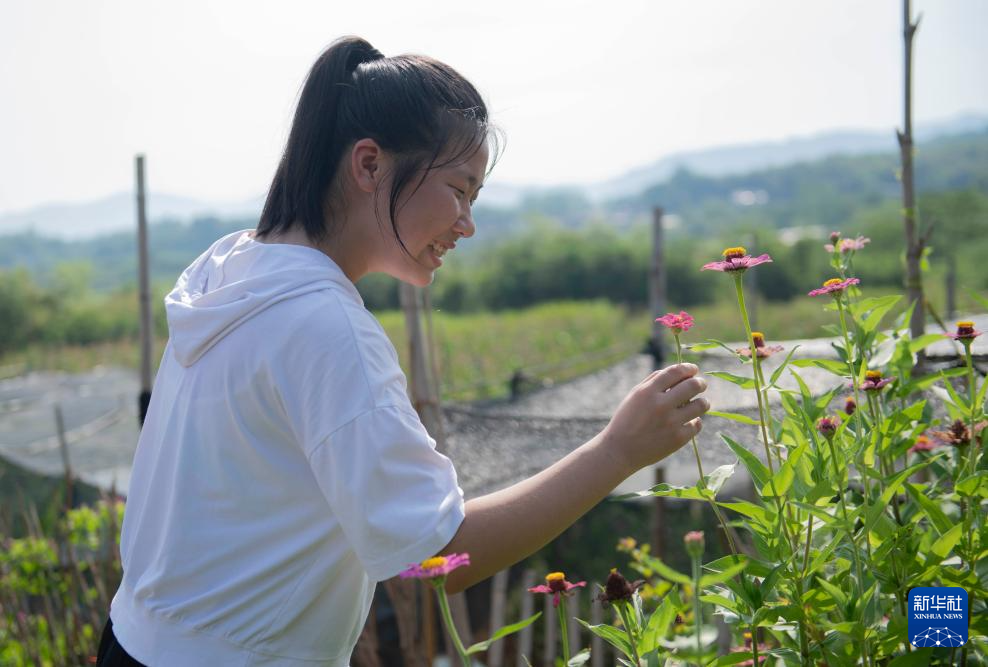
(281, 470)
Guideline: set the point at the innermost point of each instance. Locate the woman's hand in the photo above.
(657, 417)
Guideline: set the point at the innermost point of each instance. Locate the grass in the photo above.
(477, 353)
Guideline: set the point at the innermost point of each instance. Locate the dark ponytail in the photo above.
(413, 106)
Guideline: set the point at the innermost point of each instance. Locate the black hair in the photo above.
(414, 107)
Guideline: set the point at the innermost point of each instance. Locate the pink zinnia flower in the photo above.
(847, 245)
(763, 351)
(834, 286)
(439, 566)
(874, 381)
(736, 259)
(676, 323)
(556, 585)
(965, 331)
(923, 444)
(850, 406)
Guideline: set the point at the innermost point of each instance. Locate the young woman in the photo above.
(281, 471)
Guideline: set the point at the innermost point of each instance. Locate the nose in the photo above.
(464, 224)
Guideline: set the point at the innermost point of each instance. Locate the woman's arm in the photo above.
(655, 419)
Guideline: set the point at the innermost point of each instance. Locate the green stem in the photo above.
(762, 409)
(699, 468)
(971, 390)
(850, 533)
(697, 615)
(563, 630)
(859, 430)
(440, 586)
(625, 613)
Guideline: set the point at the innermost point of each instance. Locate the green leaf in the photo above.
(930, 507)
(733, 416)
(716, 479)
(579, 659)
(778, 371)
(722, 601)
(834, 591)
(756, 468)
(920, 657)
(748, 509)
(832, 365)
(739, 380)
(924, 341)
(501, 633)
(945, 543)
(710, 344)
(724, 575)
(669, 491)
(657, 626)
(974, 485)
(665, 571)
(782, 480)
(977, 297)
(878, 306)
(613, 636)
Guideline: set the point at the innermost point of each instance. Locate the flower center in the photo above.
(965, 328)
(556, 581)
(965, 324)
(832, 282)
(874, 376)
(735, 253)
(759, 338)
(431, 563)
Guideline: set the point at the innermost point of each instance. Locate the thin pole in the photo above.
(63, 446)
(657, 288)
(144, 282)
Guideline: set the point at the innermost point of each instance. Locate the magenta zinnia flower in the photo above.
(736, 259)
(556, 584)
(874, 381)
(761, 349)
(439, 566)
(676, 323)
(965, 331)
(828, 426)
(834, 286)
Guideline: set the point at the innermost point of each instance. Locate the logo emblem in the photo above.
(938, 616)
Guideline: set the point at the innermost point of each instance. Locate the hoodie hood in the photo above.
(234, 280)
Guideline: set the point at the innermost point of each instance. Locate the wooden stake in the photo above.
(657, 289)
(914, 243)
(144, 282)
(63, 446)
(527, 609)
(499, 594)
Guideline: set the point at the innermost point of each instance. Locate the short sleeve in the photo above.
(395, 496)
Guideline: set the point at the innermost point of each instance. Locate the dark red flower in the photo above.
(763, 351)
(618, 589)
(965, 331)
(557, 586)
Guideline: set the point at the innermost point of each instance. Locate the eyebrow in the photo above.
(472, 180)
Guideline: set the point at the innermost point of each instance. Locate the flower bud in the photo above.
(694, 543)
(827, 426)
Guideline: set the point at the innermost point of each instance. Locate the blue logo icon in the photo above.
(937, 616)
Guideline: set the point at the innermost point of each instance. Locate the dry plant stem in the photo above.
(699, 468)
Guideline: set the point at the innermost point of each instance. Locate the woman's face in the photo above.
(434, 219)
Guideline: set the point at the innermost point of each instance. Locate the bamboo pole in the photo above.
(144, 281)
(424, 394)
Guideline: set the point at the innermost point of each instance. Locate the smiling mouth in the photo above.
(438, 250)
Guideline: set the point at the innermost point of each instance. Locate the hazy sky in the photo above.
(584, 90)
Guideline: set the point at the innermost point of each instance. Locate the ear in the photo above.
(367, 162)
